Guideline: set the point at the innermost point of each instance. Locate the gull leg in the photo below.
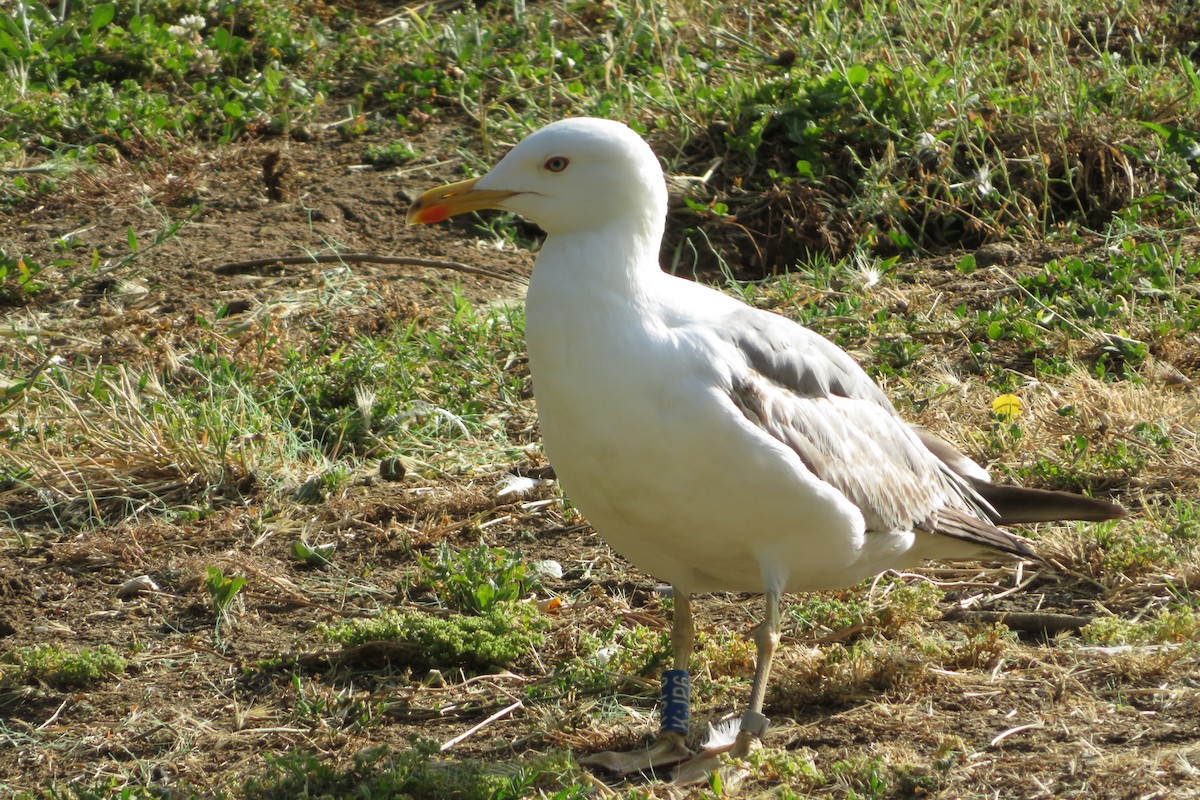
(766, 640)
(670, 747)
(754, 724)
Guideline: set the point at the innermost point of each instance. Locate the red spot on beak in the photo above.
(432, 214)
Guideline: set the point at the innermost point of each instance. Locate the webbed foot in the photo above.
(725, 760)
(667, 751)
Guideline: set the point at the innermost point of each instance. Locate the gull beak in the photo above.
(457, 198)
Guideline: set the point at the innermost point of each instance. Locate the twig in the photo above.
(199, 648)
(28, 170)
(236, 267)
(502, 712)
(263, 731)
(54, 716)
(493, 677)
(1021, 584)
(1000, 737)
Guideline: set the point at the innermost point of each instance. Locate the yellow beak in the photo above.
(457, 198)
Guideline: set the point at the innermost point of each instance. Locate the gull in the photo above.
(716, 446)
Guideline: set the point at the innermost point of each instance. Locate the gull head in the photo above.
(574, 174)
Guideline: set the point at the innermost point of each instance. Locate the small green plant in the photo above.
(494, 638)
(895, 604)
(623, 651)
(821, 613)
(383, 156)
(345, 707)
(60, 667)
(224, 591)
(476, 579)
(312, 555)
(18, 278)
(863, 777)
(1166, 626)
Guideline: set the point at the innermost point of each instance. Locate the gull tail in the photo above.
(1013, 505)
(1016, 504)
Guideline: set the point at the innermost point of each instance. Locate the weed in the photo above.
(622, 656)
(313, 555)
(862, 777)
(19, 279)
(60, 667)
(475, 643)
(476, 579)
(318, 704)
(224, 591)
(979, 648)
(389, 155)
(794, 769)
(896, 604)
(823, 613)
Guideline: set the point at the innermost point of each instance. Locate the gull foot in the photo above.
(668, 751)
(723, 760)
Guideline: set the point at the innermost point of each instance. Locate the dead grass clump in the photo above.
(836, 675)
(979, 648)
(135, 170)
(1124, 667)
(118, 446)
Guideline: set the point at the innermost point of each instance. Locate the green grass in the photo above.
(1167, 626)
(297, 417)
(891, 129)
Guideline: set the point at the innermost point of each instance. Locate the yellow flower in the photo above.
(1007, 407)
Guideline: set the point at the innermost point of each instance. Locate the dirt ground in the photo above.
(1050, 719)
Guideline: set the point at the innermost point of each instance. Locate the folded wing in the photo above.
(813, 397)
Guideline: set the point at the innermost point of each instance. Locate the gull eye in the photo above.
(556, 163)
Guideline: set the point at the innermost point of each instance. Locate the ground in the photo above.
(939, 698)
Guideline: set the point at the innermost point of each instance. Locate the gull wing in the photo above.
(813, 397)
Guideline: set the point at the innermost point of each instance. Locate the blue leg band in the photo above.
(676, 699)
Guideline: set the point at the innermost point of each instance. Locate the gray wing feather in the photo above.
(806, 363)
(812, 396)
(855, 446)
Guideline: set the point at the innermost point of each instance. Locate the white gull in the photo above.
(716, 446)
